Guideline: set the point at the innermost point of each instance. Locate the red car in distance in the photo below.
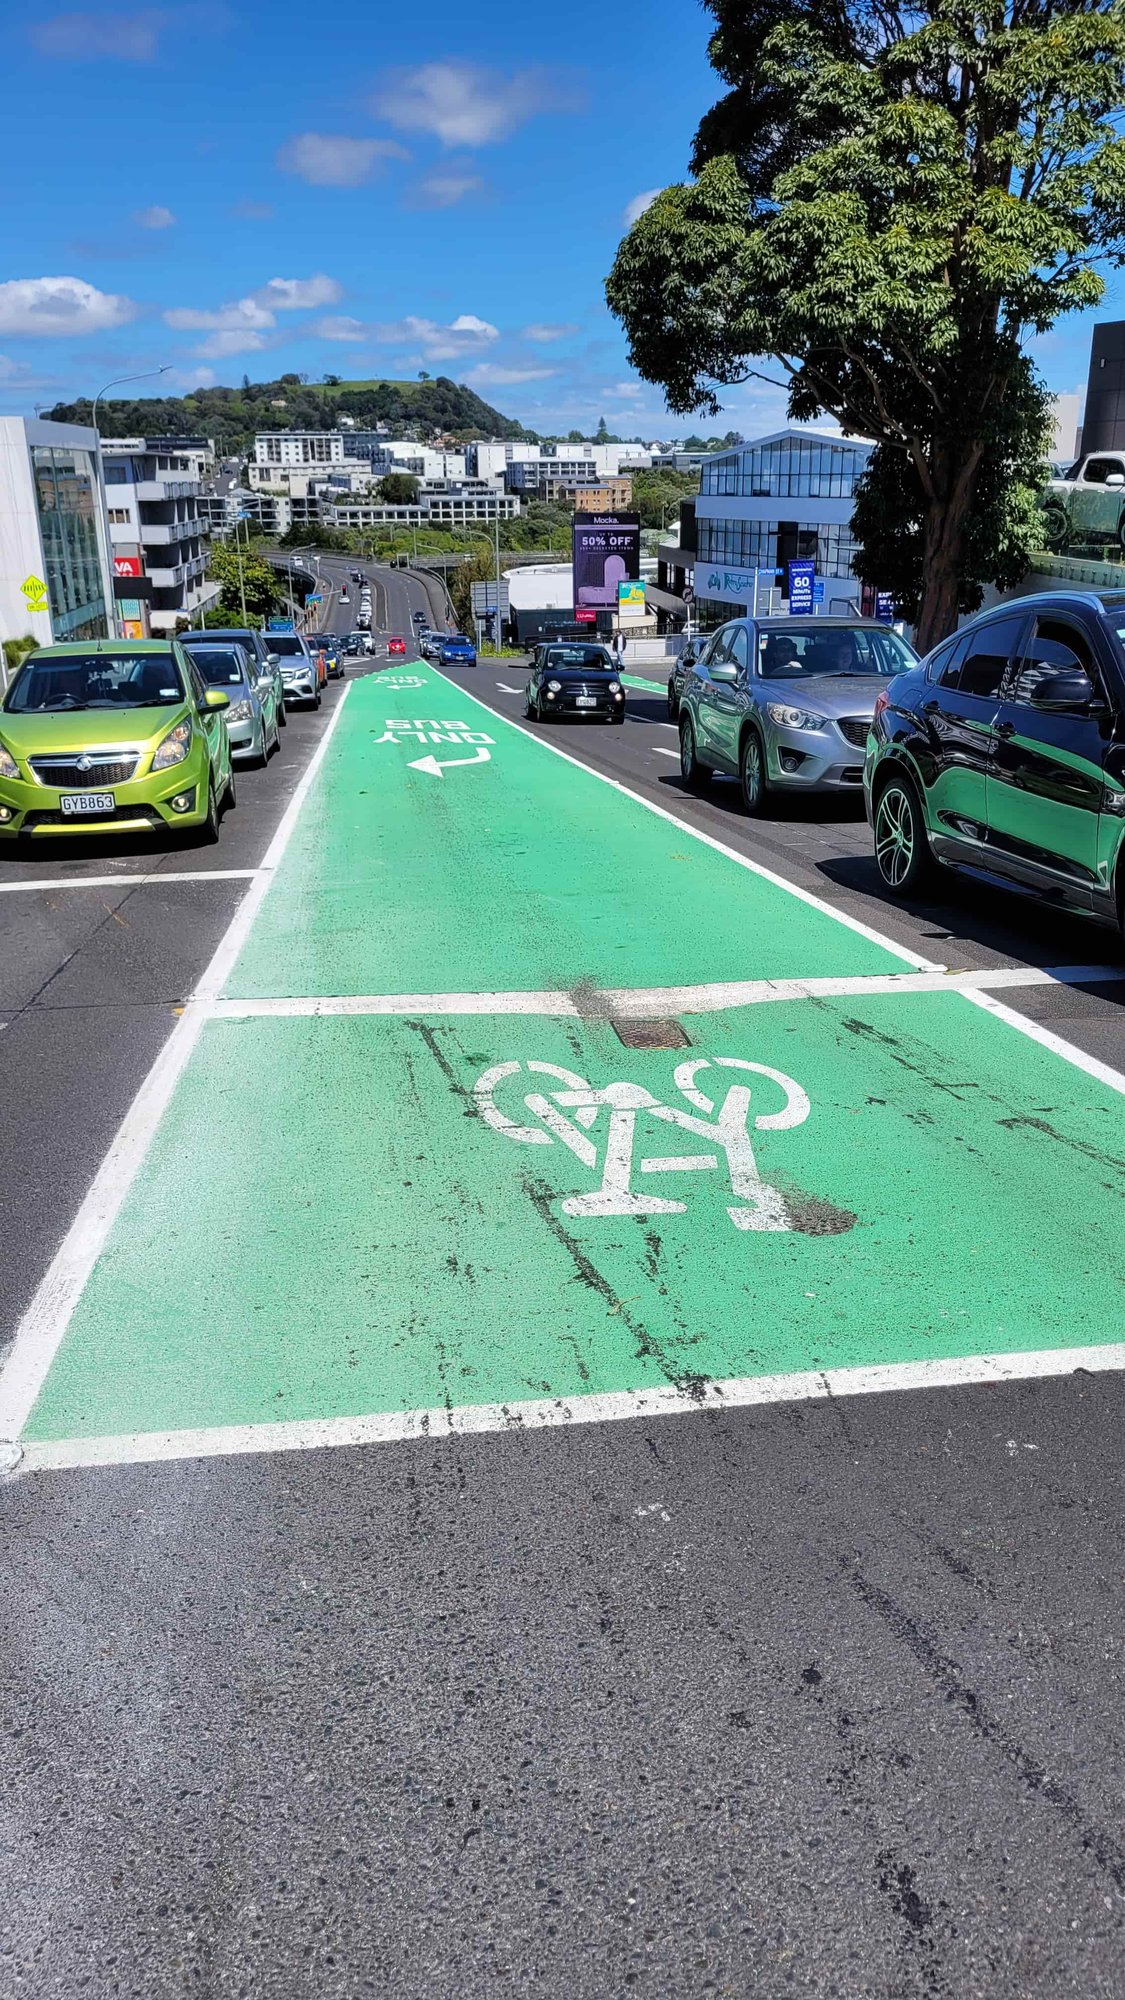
(396, 649)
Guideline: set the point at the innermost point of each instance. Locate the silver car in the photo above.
(299, 678)
(253, 728)
(785, 704)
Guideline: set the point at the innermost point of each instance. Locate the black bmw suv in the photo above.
(1003, 752)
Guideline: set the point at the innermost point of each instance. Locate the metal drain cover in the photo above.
(650, 1034)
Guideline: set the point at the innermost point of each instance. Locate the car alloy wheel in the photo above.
(901, 850)
(694, 774)
(752, 772)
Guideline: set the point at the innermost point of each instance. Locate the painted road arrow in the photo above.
(435, 769)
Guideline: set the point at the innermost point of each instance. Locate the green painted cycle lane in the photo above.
(350, 1215)
(524, 872)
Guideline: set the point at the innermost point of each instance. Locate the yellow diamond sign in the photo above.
(35, 591)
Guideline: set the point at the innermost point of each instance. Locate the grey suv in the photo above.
(785, 704)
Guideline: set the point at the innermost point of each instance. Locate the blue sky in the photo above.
(364, 190)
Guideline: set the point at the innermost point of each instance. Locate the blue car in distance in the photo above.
(457, 651)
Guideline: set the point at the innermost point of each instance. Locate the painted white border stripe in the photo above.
(132, 881)
(744, 1392)
(1047, 1039)
(44, 1323)
(695, 833)
(643, 1002)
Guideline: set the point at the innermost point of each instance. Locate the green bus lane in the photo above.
(443, 851)
(349, 1215)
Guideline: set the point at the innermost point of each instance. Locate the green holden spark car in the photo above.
(112, 736)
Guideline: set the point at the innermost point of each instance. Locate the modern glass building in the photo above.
(768, 502)
(56, 581)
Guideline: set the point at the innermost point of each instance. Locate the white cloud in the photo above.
(93, 37)
(626, 392)
(60, 306)
(226, 342)
(494, 375)
(156, 217)
(191, 378)
(461, 103)
(465, 335)
(638, 205)
(332, 160)
(544, 332)
(339, 326)
(243, 315)
(298, 294)
(445, 190)
(18, 375)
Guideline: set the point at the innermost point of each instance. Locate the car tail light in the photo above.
(882, 701)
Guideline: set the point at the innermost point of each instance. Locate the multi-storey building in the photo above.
(300, 448)
(157, 536)
(767, 502)
(56, 579)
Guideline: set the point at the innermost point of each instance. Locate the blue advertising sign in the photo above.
(884, 607)
(802, 576)
(818, 590)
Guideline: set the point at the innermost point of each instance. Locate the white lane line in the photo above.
(131, 881)
(505, 689)
(1047, 1039)
(695, 833)
(47, 1317)
(740, 1393)
(662, 750)
(645, 1002)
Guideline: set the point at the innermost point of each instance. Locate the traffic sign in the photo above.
(35, 591)
(688, 594)
(802, 576)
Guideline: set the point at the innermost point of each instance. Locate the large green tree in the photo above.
(244, 573)
(885, 205)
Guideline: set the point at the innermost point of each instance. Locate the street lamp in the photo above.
(146, 375)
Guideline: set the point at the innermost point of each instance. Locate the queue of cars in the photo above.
(142, 736)
(1001, 754)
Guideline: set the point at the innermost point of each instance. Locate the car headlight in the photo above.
(615, 687)
(793, 718)
(240, 711)
(8, 766)
(554, 687)
(174, 747)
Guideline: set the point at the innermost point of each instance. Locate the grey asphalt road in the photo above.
(812, 1700)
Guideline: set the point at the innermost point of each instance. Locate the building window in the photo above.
(119, 516)
(787, 469)
(66, 499)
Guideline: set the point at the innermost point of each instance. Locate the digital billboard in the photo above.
(607, 552)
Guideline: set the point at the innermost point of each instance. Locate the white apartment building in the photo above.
(157, 536)
(299, 448)
(435, 510)
(56, 580)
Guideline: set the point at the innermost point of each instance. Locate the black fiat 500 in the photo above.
(576, 681)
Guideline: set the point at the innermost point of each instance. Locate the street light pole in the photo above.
(146, 375)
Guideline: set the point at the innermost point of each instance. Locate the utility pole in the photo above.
(238, 546)
(497, 627)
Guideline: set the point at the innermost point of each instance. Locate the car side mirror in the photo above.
(723, 670)
(1065, 691)
(272, 659)
(215, 698)
(1115, 479)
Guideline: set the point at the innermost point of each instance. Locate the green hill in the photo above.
(232, 416)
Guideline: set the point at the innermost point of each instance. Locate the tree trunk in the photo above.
(942, 549)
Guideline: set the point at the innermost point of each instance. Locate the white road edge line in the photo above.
(47, 1317)
(645, 1002)
(1021, 1022)
(401, 1426)
(695, 833)
(133, 881)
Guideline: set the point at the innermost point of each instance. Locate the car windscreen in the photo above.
(286, 645)
(456, 639)
(95, 680)
(221, 666)
(578, 660)
(833, 653)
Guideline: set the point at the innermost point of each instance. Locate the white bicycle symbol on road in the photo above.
(757, 1205)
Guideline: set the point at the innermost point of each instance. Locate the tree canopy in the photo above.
(885, 205)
